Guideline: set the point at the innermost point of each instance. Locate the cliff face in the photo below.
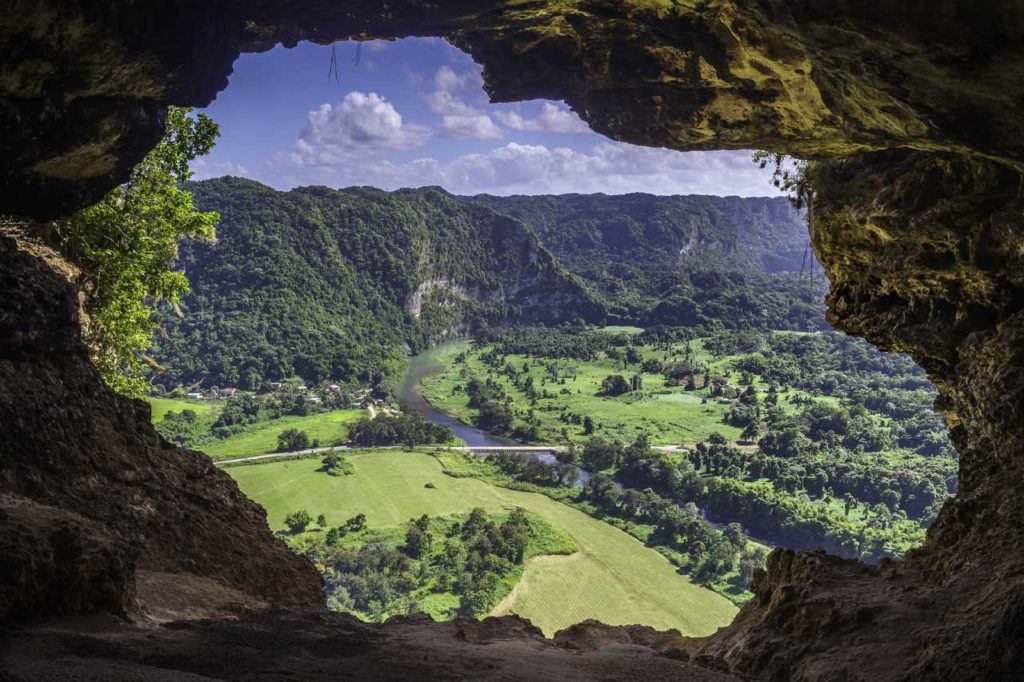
(92, 496)
(922, 246)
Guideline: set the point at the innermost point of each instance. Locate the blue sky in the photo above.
(413, 112)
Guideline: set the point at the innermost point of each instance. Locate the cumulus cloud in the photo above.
(361, 124)
(473, 127)
(360, 121)
(446, 96)
(552, 119)
(610, 167)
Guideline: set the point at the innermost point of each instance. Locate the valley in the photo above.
(671, 350)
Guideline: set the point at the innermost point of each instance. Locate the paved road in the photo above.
(335, 448)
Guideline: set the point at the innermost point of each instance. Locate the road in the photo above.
(462, 448)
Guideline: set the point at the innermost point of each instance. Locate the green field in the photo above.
(330, 428)
(669, 415)
(613, 578)
(161, 406)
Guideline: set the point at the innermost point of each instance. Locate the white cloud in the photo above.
(609, 167)
(445, 98)
(473, 127)
(361, 124)
(205, 168)
(361, 120)
(552, 119)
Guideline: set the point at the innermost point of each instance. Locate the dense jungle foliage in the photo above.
(338, 284)
(328, 284)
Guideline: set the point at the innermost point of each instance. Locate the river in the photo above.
(410, 394)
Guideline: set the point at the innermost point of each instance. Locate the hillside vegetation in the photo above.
(338, 285)
(682, 260)
(328, 284)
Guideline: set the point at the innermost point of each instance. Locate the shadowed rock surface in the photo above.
(918, 223)
(318, 645)
(91, 493)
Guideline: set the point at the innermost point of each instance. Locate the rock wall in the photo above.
(91, 495)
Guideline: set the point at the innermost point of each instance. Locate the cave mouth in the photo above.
(916, 222)
(391, 114)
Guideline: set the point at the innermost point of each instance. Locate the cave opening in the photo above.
(918, 247)
(775, 431)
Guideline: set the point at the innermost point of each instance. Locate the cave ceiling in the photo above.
(84, 85)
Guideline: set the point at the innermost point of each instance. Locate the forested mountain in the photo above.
(323, 283)
(682, 259)
(340, 284)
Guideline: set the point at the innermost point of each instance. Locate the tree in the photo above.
(751, 431)
(494, 417)
(417, 542)
(292, 439)
(613, 385)
(127, 243)
(321, 521)
(588, 425)
(336, 465)
(298, 520)
(356, 523)
(599, 455)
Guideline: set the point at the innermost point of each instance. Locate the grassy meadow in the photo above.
(669, 415)
(613, 577)
(330, 428)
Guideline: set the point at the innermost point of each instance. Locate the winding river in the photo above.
(410, 394)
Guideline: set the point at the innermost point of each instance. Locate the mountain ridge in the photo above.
(341, 284)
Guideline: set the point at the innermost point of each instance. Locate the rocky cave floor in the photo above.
(319, 645)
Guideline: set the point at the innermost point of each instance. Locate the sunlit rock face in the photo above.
(83, 86)
(918, 222)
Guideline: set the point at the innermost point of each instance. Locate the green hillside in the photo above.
(686, 260)
(329, 284)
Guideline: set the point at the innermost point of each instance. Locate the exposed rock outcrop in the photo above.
(91, 494)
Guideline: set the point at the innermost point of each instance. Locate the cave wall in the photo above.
(91, 497)
(917, 221)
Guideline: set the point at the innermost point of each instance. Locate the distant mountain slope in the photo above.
(324, 283)
(681, 259)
